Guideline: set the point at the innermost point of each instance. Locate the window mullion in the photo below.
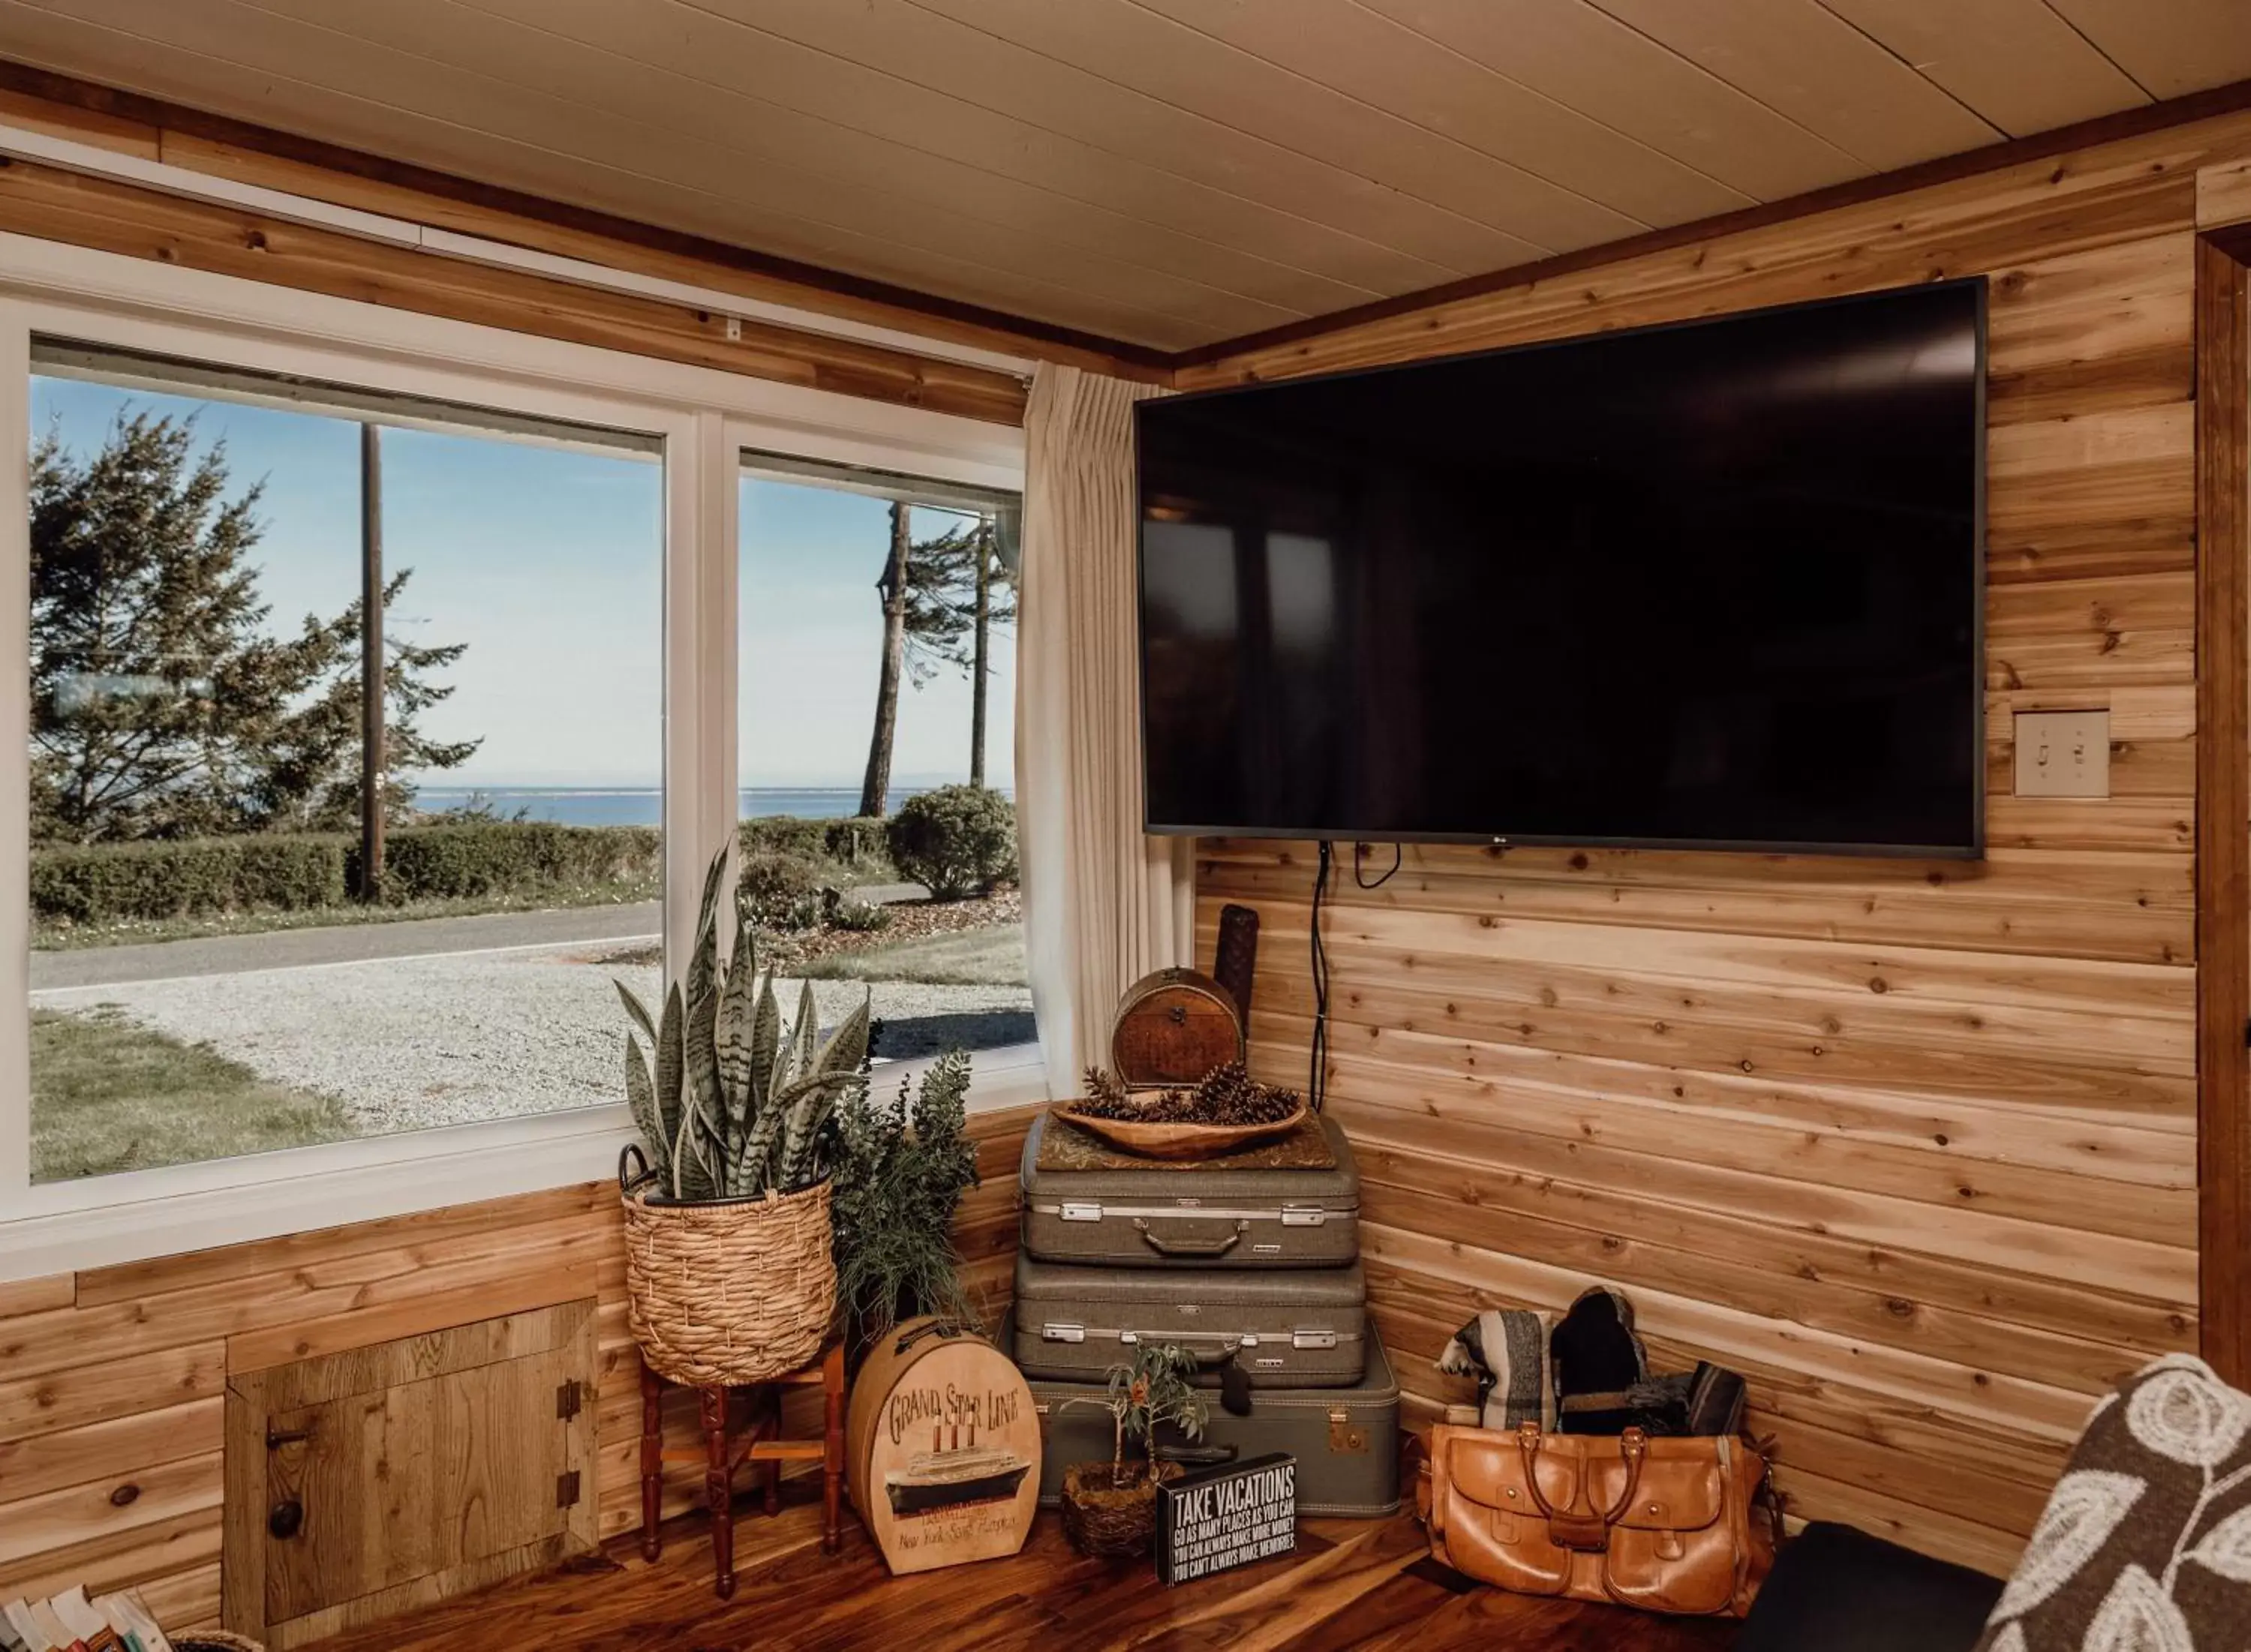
(16, 772)
(699, 745)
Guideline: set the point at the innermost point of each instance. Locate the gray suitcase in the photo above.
(1204, 1216)
(1303, 1327)
(1345, 1439)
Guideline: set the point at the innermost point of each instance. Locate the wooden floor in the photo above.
(1351, 1584)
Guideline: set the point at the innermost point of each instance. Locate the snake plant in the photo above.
(737, 1103)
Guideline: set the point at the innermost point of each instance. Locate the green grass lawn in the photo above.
(990, 956)
(109, 1095)
(49, 936)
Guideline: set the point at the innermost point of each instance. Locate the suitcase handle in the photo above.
(1214, 1247)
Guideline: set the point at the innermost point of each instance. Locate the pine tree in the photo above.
(955, 596)
(162, 705)
(894, 589)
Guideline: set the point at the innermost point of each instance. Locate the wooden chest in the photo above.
(1175, 1028)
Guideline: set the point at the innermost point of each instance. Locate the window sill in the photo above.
(100, 1222)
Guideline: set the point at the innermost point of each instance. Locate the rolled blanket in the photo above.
(1506, 1350)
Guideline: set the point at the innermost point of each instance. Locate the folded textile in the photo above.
(1506, 1350)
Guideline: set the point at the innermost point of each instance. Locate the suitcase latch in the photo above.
(1303, 1216)
(1312, 1339)
(1061, 1330)
(1343, 1439)
(1080, 1210)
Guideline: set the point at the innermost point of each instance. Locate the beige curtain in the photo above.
(1104, 903)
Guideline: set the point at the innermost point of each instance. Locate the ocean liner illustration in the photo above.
(949, 1477)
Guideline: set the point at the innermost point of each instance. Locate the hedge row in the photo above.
(446, 862)
(108, 883)
(199, 877)
(856, 840)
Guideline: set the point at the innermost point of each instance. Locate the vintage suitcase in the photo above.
(1213, 1215)
(1345, 1439)
(1305, 1327)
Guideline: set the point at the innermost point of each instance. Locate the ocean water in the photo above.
(631, 806)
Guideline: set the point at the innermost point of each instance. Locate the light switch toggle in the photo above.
(2063, 753)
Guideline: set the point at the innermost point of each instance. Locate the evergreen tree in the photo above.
(162, 704)
(956, 594)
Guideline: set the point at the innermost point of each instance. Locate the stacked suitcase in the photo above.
(1255, 1270)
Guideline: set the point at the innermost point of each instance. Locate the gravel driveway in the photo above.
(413, 1043)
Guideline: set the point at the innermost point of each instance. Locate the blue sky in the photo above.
(548, 563)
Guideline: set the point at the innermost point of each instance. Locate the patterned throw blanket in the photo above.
(1506, 1350)
(2145, 1544)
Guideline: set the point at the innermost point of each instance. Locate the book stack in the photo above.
(71, 1623)
(1252, 1261)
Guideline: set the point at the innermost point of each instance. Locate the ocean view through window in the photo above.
(876, 728)
(261, 917)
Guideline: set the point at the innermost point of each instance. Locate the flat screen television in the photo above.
(1715, 584)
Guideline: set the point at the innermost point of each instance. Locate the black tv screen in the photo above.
(1711, 584)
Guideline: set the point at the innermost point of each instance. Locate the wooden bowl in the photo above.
(1182, 1141)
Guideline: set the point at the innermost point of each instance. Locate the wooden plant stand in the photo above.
(761, 1443)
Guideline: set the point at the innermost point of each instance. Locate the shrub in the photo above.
(854, 842)
(204, 877)
(779, 891)
(857, 915)
(783, 834)
(479, 858)
(956, 841)
(109, 882)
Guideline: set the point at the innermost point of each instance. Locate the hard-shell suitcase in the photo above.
(1199, 1216)
(1345, 1439)
(1303, 1327)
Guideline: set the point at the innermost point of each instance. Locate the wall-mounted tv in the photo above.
(1714, 584)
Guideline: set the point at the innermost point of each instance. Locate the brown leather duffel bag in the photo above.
(1664, 1524)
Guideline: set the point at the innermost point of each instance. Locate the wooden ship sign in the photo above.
(942, 1447)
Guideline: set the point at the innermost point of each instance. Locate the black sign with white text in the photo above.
(1220, 1518)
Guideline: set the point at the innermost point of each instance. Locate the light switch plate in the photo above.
(2063, 753)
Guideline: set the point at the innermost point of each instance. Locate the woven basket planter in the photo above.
(730, 1291)
(1113, 1520)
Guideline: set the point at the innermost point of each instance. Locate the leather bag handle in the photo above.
(1215, 1247)
(1582, 1531)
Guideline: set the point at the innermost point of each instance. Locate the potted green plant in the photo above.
(901, 1169)
(1109, 1509)
(730, 1275)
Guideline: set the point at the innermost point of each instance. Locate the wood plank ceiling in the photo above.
(1168, 172)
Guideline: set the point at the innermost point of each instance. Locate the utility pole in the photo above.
(977, 664)
(370, 685)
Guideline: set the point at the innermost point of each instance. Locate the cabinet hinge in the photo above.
(566, 1489)
(566, 1402)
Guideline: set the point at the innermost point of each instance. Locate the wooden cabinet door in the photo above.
(392, 1475)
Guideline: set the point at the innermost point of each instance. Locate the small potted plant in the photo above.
(730, 1275)
(1109, 1509)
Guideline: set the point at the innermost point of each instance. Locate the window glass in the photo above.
(219, 965)
(878, 782)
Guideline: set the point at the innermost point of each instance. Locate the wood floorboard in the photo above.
(1351, 1584)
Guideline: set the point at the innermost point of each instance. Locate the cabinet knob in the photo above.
(286, 1520)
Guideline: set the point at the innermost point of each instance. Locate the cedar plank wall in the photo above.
(111, 1380)
(1913, 1146)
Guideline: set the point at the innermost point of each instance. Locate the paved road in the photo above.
(358, 943)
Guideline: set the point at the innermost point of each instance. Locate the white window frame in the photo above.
(706, 417)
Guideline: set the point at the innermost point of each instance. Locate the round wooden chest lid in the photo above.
(1176, 1026)
(942, 1447)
